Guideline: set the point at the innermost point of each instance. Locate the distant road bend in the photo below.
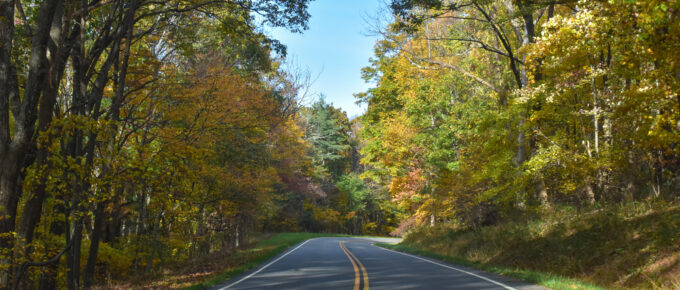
(357, 264)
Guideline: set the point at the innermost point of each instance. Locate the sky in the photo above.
(334, 49)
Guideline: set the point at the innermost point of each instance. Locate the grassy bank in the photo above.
(629, 246)
(545, 279)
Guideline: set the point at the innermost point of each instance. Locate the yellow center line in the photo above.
(363, 270)
(353, 258)
(357, 281)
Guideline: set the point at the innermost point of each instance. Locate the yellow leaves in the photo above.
(396, 142)
(217, 99)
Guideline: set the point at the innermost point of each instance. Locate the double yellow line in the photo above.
(355, 262)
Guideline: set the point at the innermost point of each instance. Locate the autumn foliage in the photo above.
(485, 109)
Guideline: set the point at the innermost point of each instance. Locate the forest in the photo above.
(134, 134)
(485, 107)
(539, 135)
(140, 134)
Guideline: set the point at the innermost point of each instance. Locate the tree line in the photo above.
(137, 133)
(482, 110)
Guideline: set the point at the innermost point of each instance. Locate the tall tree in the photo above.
(328, 132)
(78, 56)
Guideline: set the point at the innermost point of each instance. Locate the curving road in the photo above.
(355, 263)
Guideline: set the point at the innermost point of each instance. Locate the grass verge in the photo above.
(543, 279)
(629, 245)
(264, 250)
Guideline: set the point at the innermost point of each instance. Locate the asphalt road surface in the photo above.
(355, 263)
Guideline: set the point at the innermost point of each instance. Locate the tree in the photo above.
(328, 133)
(488, 106)
(78, 67)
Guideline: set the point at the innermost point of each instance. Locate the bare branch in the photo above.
(482, 44)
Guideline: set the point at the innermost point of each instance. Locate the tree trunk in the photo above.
(32, 210)
(73, 255)
(521, 154)
(542, 193)
(7, 74)
(99, 216)
(590, 194)
(9, 176)
(12, 153)
(658, 173)
(236, 237)
(48, 278)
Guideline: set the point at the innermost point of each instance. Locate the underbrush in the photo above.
(218, 267)
(636, 245)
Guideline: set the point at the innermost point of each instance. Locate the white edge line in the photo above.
(452, 268)
(265, 266)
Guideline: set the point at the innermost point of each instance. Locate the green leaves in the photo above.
(355, 188)
(327, 130)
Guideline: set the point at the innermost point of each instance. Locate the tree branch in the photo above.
(482, 44)
(453, 67)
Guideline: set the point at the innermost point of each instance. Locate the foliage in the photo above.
(328, 133)
(136, 134)
(516, 129)
(483, 109)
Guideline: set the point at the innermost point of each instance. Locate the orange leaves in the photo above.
(214, 100)
(406, 189)
(221, 133)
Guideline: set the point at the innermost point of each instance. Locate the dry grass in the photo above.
(629, 246)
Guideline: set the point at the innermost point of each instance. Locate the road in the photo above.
(357, 264)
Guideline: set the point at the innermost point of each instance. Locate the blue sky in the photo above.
(334, 49)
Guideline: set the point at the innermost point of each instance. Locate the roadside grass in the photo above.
(548, 280)
(633, 245)
(264, 250)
